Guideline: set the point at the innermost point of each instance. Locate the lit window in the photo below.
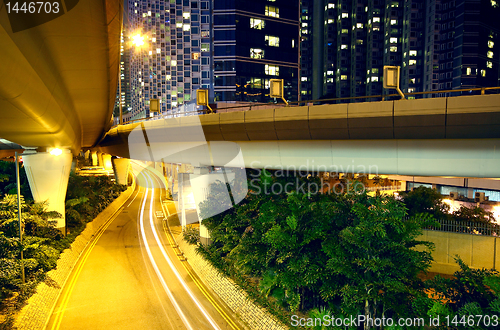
(330, 73)
(150, 52)
(304, 25)
(491, 44)
(343, 77)
(330, 21)
(394, 49)
(187, 27)
(331, 6)
(272, 11)
(272, 41)
(205, 47)
(186, 15)
(303, 78)
(483, 73)
(257, 23)
(374, 78)
(178, 25)
(293, 43)
(173, 62)
(412, 62)
(272, 70)
(493, 3)
(158, 50)
(359, 25)
(413, 80)
(345, 31)
(394, 21)
(393, 40)
(256, 53)
(489, 64)
(413, 53)
(376, 19)
(195, 56)
(343, 47)
(149, 13)
(345, 15)
(489, 54)
(375, 70)
(469, 71)
(153, 39)
(376, 28)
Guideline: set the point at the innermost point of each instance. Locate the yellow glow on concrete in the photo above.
(56, 152)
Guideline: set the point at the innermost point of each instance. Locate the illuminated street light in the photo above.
(56, 152)
(138, 40)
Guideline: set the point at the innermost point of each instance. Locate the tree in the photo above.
(376, 257)
(425, 200)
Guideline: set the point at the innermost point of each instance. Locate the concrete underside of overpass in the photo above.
(454, 136)
(59, 74)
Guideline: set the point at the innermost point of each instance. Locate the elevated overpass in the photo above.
(454, 136)
(58, 82)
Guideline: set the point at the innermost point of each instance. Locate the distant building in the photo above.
(255, 41)
(175, 58)
(440, 45)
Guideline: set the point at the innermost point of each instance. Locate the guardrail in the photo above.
(383, 97)
(467, 227)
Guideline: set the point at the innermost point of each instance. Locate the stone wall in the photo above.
(36, 313)
(257, 318)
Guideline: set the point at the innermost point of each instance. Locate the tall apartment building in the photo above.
(255, 41)
(123, 94)
(175, 58)
(439, 44)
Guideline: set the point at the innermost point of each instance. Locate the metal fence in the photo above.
(467, 227)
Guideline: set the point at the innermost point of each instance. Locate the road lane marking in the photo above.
(76, 273)
(181, 280)
(155, 266)
(214, 303)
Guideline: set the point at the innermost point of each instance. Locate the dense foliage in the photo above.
(341, 254)
(346, 252)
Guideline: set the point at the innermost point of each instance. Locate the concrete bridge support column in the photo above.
(121, 167)
(94, 159)
(106, 162)
(200, 183)
(100, 161)
(48, 178)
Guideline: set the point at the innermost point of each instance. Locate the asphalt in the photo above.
(132, 277)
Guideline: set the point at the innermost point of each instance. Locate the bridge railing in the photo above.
(466, 227)
(250, 106)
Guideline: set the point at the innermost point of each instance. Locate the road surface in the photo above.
(132, 277)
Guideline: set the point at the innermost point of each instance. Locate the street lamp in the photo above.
(18, 183)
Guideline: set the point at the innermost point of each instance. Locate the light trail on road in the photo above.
(151, 258)
(129, 278)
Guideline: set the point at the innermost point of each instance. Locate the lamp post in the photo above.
(18, 183)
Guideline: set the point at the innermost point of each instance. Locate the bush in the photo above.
(191, 235)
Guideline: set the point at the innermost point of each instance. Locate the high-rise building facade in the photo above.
(439, 44)
(255, 41)
(175, 58)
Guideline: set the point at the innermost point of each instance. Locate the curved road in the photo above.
(132, 277)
